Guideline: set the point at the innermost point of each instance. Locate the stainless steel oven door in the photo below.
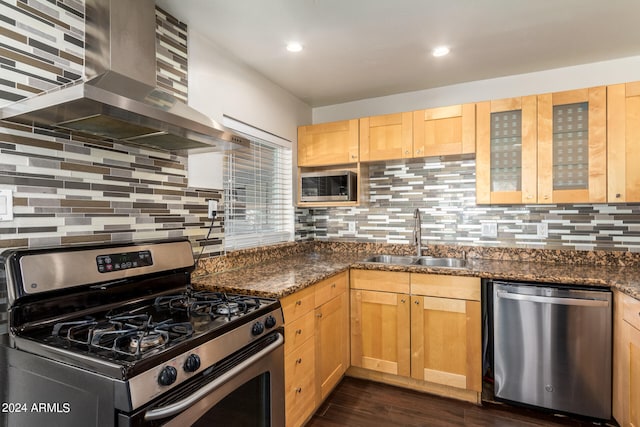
(249, 393)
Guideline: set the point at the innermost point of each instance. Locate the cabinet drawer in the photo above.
(631, 311)
(298, 304)
(330, 288)
(435, 285)
(300, 384)
(298, 331)
(383, 281)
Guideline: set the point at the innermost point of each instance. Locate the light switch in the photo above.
(6, 205)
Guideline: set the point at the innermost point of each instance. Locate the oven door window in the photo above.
(246, 406)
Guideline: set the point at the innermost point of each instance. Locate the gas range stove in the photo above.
(127, 312)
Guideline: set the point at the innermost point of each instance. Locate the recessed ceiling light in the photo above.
(440, 51)
(294, 47)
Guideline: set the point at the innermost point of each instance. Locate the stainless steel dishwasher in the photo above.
(552, 347)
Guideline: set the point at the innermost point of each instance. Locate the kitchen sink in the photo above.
(442, 262)
(392, 259)
(414, 260)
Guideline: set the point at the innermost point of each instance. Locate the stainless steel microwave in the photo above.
(328, 186)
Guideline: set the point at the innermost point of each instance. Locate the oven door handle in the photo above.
(181, 405)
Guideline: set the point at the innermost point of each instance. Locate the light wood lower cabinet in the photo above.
(316, 345)
(626, 362)
(424, 334)
(379, 334)
(445, 342)
(332, 340)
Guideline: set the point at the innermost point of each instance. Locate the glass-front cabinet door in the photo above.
(572, 146)
(506, 151)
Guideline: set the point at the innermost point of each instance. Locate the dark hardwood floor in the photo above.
(357, 402)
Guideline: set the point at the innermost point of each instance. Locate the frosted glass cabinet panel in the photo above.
(572, 146)
(506, 151)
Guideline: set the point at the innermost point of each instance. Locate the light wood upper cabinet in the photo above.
(506, 151)
(386, 137)
(623, 143)
(572, 146)
(444, 131)
(325, 144)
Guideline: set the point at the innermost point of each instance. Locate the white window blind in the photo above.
(258, 206)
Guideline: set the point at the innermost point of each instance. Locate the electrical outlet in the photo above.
(6, 205)
(351, 226)
(212, 208)
(542, 230)
(489, 229)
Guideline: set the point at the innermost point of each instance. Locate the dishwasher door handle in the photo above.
(553, 300)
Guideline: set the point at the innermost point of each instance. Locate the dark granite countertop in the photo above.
(286, 275)
(281, 277)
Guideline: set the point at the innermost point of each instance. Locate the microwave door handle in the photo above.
(552, 300)
(181, 405)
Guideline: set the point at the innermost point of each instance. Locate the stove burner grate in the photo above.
(124, 334)
(206, 303)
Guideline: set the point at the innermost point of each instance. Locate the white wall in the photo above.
(576, 77)
(221, 85)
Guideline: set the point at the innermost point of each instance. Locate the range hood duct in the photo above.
(120, 99)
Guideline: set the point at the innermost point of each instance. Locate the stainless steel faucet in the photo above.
(417, 231)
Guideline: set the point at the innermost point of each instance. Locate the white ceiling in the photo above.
(357, 49)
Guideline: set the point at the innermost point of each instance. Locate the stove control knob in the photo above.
(270, 322)
(168, 375)
(257, 329)
(191, 363)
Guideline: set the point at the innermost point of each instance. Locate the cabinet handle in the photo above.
(299, 332)
(333, 285)
(353, 156)
(402, 301)
(418, 151)
(406, 152)
(299, 361)
(529, 196)
(299, 390)
(319, 315)
(546, 197)
(416, 302)
(618, 195)
(299, 302)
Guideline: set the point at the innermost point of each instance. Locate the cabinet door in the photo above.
(446, 342)
(444, 131)
(623, 143)
(634, 376)
(629, 386)
(299, 380)
(328, 143)
(506, 151)
(380, 337)
(332, 344)
(386, 137)
(572, 146)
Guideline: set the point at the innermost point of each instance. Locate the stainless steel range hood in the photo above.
(121, 100)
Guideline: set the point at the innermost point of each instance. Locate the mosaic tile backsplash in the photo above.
(444, 191)
(70, 189)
